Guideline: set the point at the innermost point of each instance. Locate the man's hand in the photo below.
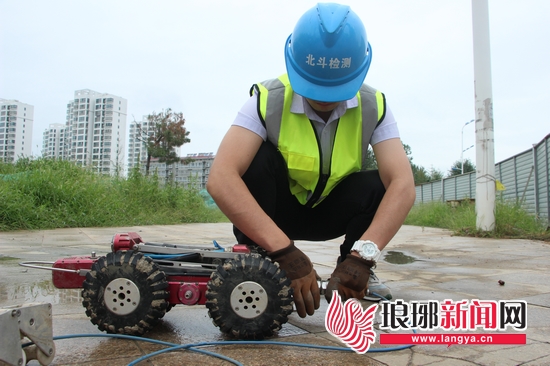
(307, 297)
(350, 278)
(299, 270)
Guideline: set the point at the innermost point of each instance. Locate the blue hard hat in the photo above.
(328, 55)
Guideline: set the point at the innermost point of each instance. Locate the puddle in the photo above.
(395, 257)
(42, 291)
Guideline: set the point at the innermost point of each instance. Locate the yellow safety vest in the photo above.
(294, 136)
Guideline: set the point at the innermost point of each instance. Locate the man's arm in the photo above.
(396, 175)
(225, 185)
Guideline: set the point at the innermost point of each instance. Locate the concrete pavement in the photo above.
(420, 264)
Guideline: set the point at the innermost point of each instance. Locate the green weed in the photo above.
(4, 258)
(511, 220)
(47, 194)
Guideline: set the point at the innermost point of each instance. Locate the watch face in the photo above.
(369, 250)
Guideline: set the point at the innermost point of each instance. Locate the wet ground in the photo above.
(419, 264)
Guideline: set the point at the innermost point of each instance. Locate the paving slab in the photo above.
(424, 264)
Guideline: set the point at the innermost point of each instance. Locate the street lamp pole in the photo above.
(462, 148)
(485, 141)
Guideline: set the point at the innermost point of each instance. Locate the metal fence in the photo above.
(525, 178)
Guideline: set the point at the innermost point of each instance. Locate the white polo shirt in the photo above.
(248, 118)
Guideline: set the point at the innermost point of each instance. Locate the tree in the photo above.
(369, 160)
(456, 168)
(163, 134)
(408, 152)
(435, 174)
(420, 174)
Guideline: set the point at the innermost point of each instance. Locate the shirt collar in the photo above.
(300, 106)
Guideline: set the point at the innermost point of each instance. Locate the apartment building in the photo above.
(96, 131)
(191, 171)
(137, 145)
(16, 122)
(53, 141)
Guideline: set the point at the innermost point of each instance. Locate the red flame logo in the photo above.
(350, 324)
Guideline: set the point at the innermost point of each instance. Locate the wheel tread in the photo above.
(144, 273)
(250, 267)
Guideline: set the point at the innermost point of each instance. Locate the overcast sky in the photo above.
(201, 57)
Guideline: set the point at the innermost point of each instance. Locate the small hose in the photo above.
(193, 346)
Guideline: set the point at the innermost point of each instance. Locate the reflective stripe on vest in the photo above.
(295, 137)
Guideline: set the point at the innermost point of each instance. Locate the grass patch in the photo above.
(512, 221)
(7, 258)
(48, 194)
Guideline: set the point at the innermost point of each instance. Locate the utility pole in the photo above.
(485, 144)
(462, 147)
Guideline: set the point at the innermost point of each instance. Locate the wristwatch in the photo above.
(367, 250)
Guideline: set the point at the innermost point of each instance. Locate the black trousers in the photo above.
(348, 210)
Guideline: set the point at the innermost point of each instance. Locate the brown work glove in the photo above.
(350, 278)
(299, 270)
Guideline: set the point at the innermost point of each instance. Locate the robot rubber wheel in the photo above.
(249, 297)
(125, 293)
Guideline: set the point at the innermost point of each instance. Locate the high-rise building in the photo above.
(190, 171)
(137, 143)
(96, 131)
(53, 141)
(16, 122)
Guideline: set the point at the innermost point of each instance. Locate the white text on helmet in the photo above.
(334, 63)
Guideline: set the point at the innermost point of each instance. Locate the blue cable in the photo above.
(216, 245)
(290, 344)
(184, 346)
(192, 346)
(165, 256)
(218, 248)
(172, 346)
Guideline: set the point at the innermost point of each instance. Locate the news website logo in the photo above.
(349, 323)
